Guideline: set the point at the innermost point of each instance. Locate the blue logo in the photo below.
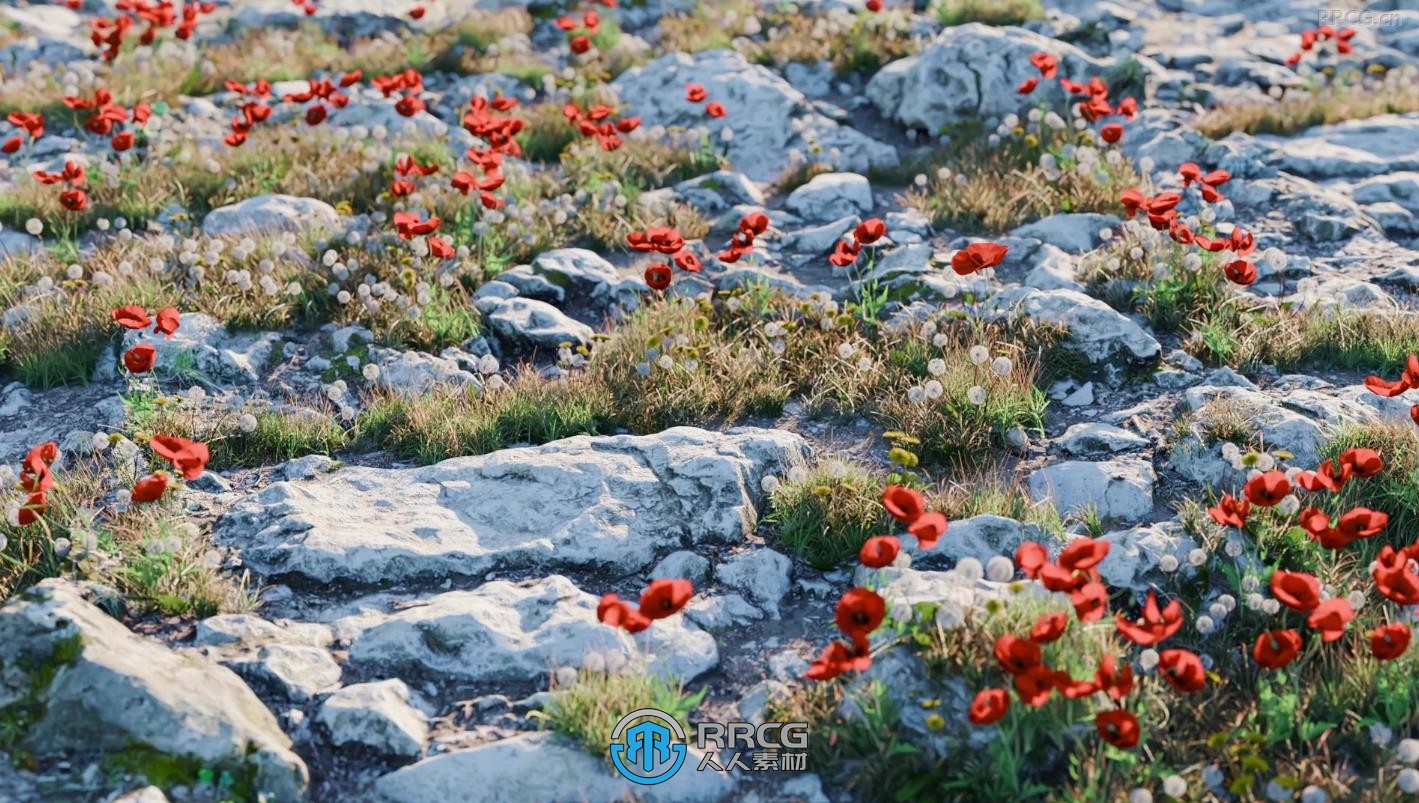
(649, 755)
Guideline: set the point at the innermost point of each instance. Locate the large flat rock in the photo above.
(611, 502)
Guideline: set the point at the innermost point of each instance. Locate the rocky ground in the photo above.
(426, 471)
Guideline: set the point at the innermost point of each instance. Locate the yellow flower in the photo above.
(935, 722)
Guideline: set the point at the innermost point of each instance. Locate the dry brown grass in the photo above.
(986, 188)
(1351, 97)
(852, 43)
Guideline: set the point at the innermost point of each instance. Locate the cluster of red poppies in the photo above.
(409, 225)
(253, 111)
(861, 610)
(741, 242)
(1096, 105)
(189, 458)
(141, 358)
(660, 599)
(74, 199)
(845, 252)
(308, 6)
(1408, 380)
(407, 168)
(665, 240)
(109, 33)
(580, 33)
(1162, 213)
(696, 93)
(108, 118)
(1076, 572)
(977, 257)
(321, 92)
(484, 121)
(596, 122)
(31, 123)
(407, 84)
(36, 480)
(1393, 571)
(1325, 33)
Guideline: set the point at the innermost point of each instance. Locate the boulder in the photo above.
(768, 116)
(969, 72)
(1117, 489)
(266, 215)
(513, 632)
(377, 716)
(85, 683)
(612, 502)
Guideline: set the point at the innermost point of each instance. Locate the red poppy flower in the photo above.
(1091, 602)
(1046, 63)
(1395, 577)
(1331, 617)
(715, 109)
(580, 44)
(1240, 271)
(187, 456)
(34, 507)
(687, 261)
(859, 612)
(879, 551)
(1114, 678)
(1049, 627)
(1017, 655)
(616, 613)
(1230, 512)
(904, 504)
(132, 317)
(1390, 641)
(665, 597)
(74, 200)
(838, 658)
(1362, 462)
(1111, 133)
(1027, 86)
(166, 321)
(410, 226)
(755, 223)
(870, 231)
(1183, 670)
(122, 141)
(1156, 626)
(978, 256)
(150, 488)
(1035, 685)
(417, 12)
(140, 358)
(1296, 590)
(440, 248)
(928, 529)
(12, 144)
(315, 114)
(1277, 648)
(1407, 380)
(1268, 489)
(1324, 478)
(1361, 522)
(873, 5)
(1057, 578)
(1030, 557)
(658, 275)
(1118, 728)
(844, 253)
(989, 706)
(695, 93)
(1083, 554)
(1132, 200)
